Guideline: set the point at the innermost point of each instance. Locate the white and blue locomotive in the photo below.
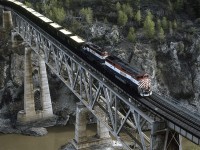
(113, 64)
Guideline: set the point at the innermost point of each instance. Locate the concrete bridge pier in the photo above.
(7, 20)
(45, 93)
(102, 130)
(13, 38)
(30, 113)
(163, 138)
(81, 140)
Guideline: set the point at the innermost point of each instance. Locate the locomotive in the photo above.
(129, 75)
(121, 70)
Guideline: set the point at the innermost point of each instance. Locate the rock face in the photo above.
(195, 69)
(16, 69)
(176, 71)
(107, 33)
(63, 100)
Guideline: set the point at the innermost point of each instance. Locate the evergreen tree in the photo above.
(131, 34)
(158, 24)
(175, 24)
(179, 4)
(149, 25)
(118, 6)
(67, 3)
(58, 14)
(75, 25)
(87, 14)
(28, 4)
(164, 23)
(138, 16)
(170, 6)
(170, 28)
(105, 20)
(137, 3)
(161, 34)
(54, 10)
(122, 18)
(149, 14)
(128, 10)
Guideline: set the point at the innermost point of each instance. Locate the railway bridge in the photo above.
(137, 122)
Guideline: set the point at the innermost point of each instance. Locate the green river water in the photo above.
(56, 137)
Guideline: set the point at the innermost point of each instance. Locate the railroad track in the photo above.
(175, 115)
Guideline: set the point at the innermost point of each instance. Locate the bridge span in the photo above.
(120, 111)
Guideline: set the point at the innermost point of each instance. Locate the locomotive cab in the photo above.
(144, 87)
(96, 51)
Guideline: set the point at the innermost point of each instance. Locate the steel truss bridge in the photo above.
(127, 116)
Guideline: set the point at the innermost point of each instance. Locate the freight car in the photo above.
(106, 63)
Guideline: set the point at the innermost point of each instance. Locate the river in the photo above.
(56, 137)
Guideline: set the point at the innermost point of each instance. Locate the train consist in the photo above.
(112, 64)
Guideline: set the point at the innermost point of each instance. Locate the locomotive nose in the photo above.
(144, 86)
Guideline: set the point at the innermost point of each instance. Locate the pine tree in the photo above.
(122, 18)
(54, 10)
(75, 25)
(137, 3)
(175, 24)
(131, 34)
(126, 8)
(118, 6)
(161, 34)
(164, 23)
(138, 16)
(105, 20)
(149, 25)
(179, 4)
(28, 4)
(149, 14)
(87, 14)
(67, 3)
(58, 14)
(158, 24)
(170, 6)
(170, 28)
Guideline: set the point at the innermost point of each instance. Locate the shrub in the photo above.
(138, 16)
(161, 34)
(175, 24)
(131, 34)
(87, 14)
(149, 25)
(164, 23)
(126, 8)
(118, 6)
(122, 18)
